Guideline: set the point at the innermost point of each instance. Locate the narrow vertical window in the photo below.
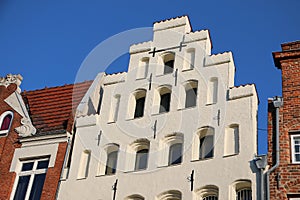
(242, 189)
(139, 103)
(165, 103)
(111, 163)
(231, 143)
(5, 122)
(175, 154)
(141, 160)
(84, 164)
(191, 90)
(115, 108)
(206, 144)
(143, 68)
(169, 60)
(212, 94)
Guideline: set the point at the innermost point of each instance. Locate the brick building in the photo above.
(285, 179)
(35, 128)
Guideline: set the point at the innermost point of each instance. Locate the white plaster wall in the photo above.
(220, 171)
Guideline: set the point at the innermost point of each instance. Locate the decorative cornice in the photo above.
(27, 129)
(10, 78)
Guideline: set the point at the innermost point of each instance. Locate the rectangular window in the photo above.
(31, 179)
(295, 145)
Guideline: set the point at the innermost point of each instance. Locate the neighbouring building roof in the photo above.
(52, 109)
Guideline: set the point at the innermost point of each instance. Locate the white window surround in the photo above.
(206, 192)
(202, 133)
(164, 147)
(136, 95)
(83, 169)
(189, 59)
(114, 108)
(161, 90)
(134, 197)
(172, 194)
(131, 152)
(104, 152)
(3, 115)
(239, 186)
(35, 170)
(231, 140)
(143, 67)
(295, 148)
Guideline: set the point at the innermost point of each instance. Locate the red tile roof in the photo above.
(52, 109)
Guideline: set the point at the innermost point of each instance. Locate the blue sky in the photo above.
(46, 41)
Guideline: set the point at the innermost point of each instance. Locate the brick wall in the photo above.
(8, 145)
(53, 174)
(285, 180)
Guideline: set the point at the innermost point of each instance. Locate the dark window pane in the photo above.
(27, 166)
(111, 164)
(22, 188)
(139, 108)
(206, 147)
(6, 122)
(169, 65)
(297, 157)
(165, 103)
(37, 187)
(141, 159)
(175, 154)
(43, 164)
(191, 97)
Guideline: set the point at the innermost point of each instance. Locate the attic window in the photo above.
(169, 63)
(5, 122)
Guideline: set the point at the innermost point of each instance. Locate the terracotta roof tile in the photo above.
(51, 109)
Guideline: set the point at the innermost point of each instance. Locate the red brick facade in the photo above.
(8, 144)
(51, 111)
(285, 180)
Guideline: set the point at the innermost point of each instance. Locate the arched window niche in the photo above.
(108, 160)
(138, 155)
(171, 149)
(5, 122)
(231, 140)
(241, 190)
(162, 99)
(203, 143)
(170, 195)
(209, 192)
(188, 94)
(136, 105)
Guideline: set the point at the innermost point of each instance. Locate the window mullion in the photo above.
(29, 186)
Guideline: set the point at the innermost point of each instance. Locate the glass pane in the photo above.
(27, 166)
(43, 164)
(191, 97)
(297, 157)
(111, 164)
(22, 188)
(37, 187)
(206, 147)
(6, 122)
(139, 107)
(141, 159)
(175, 154)
(165, 103)
(169, 65)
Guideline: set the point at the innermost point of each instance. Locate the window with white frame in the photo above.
(111, 163)
(5, 122)
(30, 179)
(295, 145)
(209, 192)
(83, 169)
(206, 147)
(242, 190)
(170, 148)
(165, 98)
